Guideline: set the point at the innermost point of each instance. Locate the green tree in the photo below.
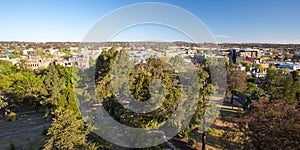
(103, 73)
(92, 61)
(7, 76)
(70, 74)
(141, 87)
(139, 83)
(259, 67)
(273, 83)
(250, 87)
(247, 65)
(177, 60)
(20, 85)
(68, 100)
(29, 87)
(205, 89)
(280, 85)
(296, 79)
(54, 86)
(236, 81)
(68, 132)
(291, 90)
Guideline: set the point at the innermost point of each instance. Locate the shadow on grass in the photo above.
(224, 128)
(219, 143)
(179, 144)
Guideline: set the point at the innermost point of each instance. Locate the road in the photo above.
(32, 122)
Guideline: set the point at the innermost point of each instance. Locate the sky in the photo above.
(229, 21)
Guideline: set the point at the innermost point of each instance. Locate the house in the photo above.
(36, 62)
(261, 73)
(245, 60)
(28, 51)
(288, 65)
(243, 68)
(296, 57)
(59, 53)
(71, 49)
(4, 57)
(51, 51)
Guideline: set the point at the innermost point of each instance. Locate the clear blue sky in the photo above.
(272, 21)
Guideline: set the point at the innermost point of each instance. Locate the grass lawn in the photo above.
(216, 131)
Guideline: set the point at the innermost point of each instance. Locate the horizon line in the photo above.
(149, 41)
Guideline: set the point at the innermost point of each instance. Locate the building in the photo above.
(4, 57)
(288, 65)
(296, 57)
(244, 55)
(250, 53)
(36, 62)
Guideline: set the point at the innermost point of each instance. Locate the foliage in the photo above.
(7, 76)
(247, 65)
(70, 74)
(271, 125)
(29, 85)
(291, 91)
(280, 85)
(259, 67)
(141, 87)
(92, 61)
(45, 130)
(257, 93)
(236, 81)
(214, 132)
(139, 79)
(177, 60)
(12, 56)
(192, 141)
(68, 100)
(3, 103)
(183, 134)
(103, 73)
(250, 87)
(20, 85)
(68, 132)
(67, 54)
(12, 116)
(54, 86)
(273, 83)
(59, 82)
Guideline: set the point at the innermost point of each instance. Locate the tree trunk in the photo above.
(203, 134)
(232, 94)
(203, 140)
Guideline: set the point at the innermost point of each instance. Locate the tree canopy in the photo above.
(236, 81)
(272, 125)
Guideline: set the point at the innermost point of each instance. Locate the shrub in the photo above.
(45, 130)
(183, 134)
(12, 116)
(192, 141)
